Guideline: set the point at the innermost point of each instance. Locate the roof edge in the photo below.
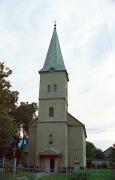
(80, 123)
(52, 71)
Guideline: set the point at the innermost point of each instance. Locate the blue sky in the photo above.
(86, 31)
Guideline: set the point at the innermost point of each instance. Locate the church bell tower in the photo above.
(53, 96)
(52, 133)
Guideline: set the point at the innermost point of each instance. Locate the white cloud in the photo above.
(86, 33)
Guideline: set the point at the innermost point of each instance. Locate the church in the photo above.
(56, 139)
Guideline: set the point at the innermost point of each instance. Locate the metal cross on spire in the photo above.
(55, 24)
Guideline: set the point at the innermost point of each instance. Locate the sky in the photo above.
(86, 31)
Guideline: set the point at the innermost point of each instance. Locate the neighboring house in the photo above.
(108, 153)
(105, 162)
(56, 139)
(100, 163)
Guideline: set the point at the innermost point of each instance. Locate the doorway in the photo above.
(52, 164)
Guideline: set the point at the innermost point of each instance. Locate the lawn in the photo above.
(5, 177)
(83, 175)
(80, 175)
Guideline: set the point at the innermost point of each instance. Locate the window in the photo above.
(50, 139)
(52, 88)
(52, 69)
(51, 112)
(49, 88)
(55, 88)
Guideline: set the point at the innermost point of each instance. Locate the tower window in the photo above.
(54, 87)
(49, 88)
(51, 112)
(50, 139)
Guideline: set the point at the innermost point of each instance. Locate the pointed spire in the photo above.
(54, 59)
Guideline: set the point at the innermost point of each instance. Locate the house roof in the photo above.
(54, 59)
(108, 150)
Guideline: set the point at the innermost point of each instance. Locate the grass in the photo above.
(83, 175)
(53, 177)
(80, 175)
(5, 177)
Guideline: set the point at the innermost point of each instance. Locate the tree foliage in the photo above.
(99, 154)
(25, 113)
(12, 115)
(8, 100)
(92, 152)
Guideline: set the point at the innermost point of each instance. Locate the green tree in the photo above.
(8, 101)
(92, 152)
(25, 113)
(99, 154)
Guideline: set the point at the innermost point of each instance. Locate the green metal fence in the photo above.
(12, 171)
(104, 174)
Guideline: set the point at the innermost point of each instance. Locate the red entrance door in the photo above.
(52, 165)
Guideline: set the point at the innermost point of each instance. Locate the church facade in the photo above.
(56, 139)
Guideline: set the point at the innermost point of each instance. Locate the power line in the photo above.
(105, 26)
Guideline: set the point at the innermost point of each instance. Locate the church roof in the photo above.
(54, 58)
(72, 121)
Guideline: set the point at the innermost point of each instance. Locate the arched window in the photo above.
(51, 112)
(50, 139)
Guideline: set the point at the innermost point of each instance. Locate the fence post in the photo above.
(3, 164)
(14, 167)
(66, 173)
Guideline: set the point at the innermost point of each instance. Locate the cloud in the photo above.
(86, 33)
(99, 138)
